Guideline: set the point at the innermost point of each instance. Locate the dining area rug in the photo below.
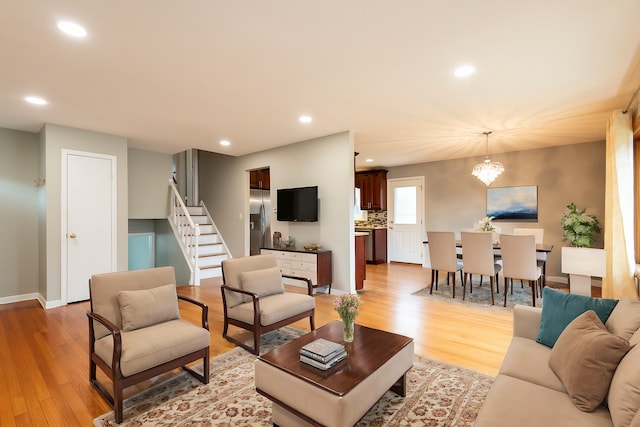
(438, 395)
(481, 295)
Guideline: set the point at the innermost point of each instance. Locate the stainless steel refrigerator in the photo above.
(259, 220)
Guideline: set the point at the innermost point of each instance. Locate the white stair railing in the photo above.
(187, 232)
(191, 234)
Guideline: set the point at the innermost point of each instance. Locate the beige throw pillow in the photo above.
(624, 394)
(147, 307)
(263, 282)
(585, 358)
(624, 320)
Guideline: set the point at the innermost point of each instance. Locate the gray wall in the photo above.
(326, 162)
(149, 175)
(57, 138)
(19, 228)
(455, 200)
(30, 216)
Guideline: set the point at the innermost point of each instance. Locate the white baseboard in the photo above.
(50, 304)
(597, 282)
(558, 279)
(19, 298)
(32, 296)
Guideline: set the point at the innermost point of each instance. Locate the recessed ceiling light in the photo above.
(72, 29)
(305, 119)
(369, 160)
(464, 71)
(225, 142)
(36, 100)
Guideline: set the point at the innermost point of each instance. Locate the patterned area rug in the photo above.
(481, 294)
(438, 394)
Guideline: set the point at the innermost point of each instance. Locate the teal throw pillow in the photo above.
(560, 308)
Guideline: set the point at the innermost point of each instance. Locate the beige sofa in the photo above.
(527, 392)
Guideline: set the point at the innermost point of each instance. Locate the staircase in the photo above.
(198, 237)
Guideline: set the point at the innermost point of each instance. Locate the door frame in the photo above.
(64, 201)
(391, 207)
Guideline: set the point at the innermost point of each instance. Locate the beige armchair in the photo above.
(135, 331)
(254, 298)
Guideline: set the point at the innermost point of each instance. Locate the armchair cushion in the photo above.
(147, 307)
(149, 347)
(274, 308)
(264, 282)
(585, 358)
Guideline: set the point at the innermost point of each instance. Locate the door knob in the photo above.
(72, 235)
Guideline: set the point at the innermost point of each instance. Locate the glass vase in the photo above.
(347, 329)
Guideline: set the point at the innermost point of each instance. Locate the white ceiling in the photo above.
(173, 75)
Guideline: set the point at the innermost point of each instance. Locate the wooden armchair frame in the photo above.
(114, 373)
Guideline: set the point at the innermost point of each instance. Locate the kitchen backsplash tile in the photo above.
(375, 219)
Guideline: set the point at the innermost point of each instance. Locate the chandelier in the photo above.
(487, 171)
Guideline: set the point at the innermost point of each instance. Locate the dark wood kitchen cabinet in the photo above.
(373, 189)
(259, 179)
(378, 246)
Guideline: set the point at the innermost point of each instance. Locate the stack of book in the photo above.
(322, 354)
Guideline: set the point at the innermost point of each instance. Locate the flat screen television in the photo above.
(298, 204)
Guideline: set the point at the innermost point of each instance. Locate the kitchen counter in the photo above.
(369, 227)
(361, 262)
(375, 243)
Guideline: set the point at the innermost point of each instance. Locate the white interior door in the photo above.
(406, 222)
(88, 220)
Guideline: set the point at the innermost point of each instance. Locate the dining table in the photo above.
(540, 247)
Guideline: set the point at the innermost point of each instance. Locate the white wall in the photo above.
(326, 162)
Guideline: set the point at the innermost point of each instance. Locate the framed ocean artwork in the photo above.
(513, 203)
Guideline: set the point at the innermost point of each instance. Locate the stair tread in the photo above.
(212, 255)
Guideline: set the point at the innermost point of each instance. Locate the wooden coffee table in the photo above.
(377, 361)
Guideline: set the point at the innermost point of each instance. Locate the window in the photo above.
(404, 202)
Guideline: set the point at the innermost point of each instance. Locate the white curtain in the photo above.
(619, 208)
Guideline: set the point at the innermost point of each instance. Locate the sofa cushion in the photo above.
(624, 393)
(513, 402)
(529, 361)
(560, 308)
(147, 307)
(264, 282)
(624, 320)
(585, 357)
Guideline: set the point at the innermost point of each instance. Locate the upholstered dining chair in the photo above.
(442, 254)
(477, 249)
(519, 262)
(254, 298)
(541, 257)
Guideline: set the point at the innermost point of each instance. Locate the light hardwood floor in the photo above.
(44, 362)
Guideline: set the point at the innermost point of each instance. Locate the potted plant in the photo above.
(581, 261)
(579, 228)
